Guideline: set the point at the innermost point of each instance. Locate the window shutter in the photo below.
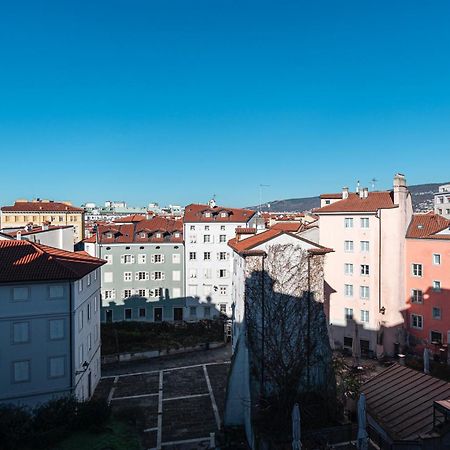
(162, 258)
(153, 258)
(146, 275)
(228, 255)
(153, 276)
(218, 255)
(113, 293)
(136, 275)
(122, 259)
(132, 258)
(163, 276)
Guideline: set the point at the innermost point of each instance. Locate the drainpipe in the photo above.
(381, 308)
(72, 350)
(263, 324)
(308, 335)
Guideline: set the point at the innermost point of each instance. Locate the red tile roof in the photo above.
(333, 196)
(38, 230)
(240, 230)
(246, 245)
(287, 226)
(131, 232)
(197, 213)
(425, 226)
(354, 203)
(130, 219)
(40, 206)
(22, 261)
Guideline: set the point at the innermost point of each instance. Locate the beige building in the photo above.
(40, 212)
(365, 274)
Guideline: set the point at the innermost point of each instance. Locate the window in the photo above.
(436, 259)
(108, 295)
(142, 312)
(223, 308)
(436, 286)
(222, 227)
(95, 304)
(128, 313)
(158, 276)
(348, 246)
(192, 227)
(222, 273)
(127, 293)
(364, 316)
(142, 259)
(222, 290)
(89, 341)
(207, 227)
(20, 332)
(142, 292)
(364, 246)
(436, 337)
(107, 277)
(176, 292)
(89, 279)
(56, 291)
(176, 258)
(348, 269)
(158, 258)
(222, 256)
(80, 355)
(348, 290)
(193, 239)
(176, 275)
(127, 276)
(108, 259)
(88, 311)
(80, 320)
(21, 371)
(364, 222)
(21, 294)
(206, 311)
(141, 276)
(417, 270)
(158, 292)
(192, 290)
(416, 296)
(364, 269)
(436, 313)
(208, 272)
(192, 256)
(192, 273)
(193, 311)
(207, 255)
(127, 259)
(177, 314)
(56, 329)
(348, 313)
(416, 321)
(222, 238)
(364, 292)
(157, 314)
(348, 341)
(348, 222)
(206, 238)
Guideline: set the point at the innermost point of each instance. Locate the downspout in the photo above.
(308, 335)
(381, 308)
(263, 324)
(72, 350)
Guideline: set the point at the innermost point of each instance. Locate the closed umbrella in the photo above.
(426, 361)
(296, 443)
(363, 437)
(356, 346)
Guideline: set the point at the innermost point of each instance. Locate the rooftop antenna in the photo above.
(373, 181)
(260, 196)
(357, 187)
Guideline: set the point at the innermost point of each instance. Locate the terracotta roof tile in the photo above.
(22, 261)
(40, 206)
(354, 203)
(197, 213)
(425, 226)
(130, 219)
(241, 230)
(287, 226)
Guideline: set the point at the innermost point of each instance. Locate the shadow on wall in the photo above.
(139, 308)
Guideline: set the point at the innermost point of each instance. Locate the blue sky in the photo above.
(173, 101)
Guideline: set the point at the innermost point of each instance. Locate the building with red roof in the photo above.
(50, 317)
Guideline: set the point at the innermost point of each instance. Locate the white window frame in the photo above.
(417, 316)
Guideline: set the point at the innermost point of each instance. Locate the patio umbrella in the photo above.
(296, 443)
(363, 438)
(426, 361)
(356, 346)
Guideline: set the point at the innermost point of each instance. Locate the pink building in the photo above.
(365, 274)
(428, 281)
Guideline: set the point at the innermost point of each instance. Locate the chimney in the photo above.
(19, 235)
(400, 189)
(365, 192)
(344, 193)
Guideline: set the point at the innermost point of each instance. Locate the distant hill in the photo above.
(422, 198)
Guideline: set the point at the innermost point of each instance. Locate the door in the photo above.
(157, 314)
(178, 314)
(109, 316)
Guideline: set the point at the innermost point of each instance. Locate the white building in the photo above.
(50, 323)
(442, 201)
(209, 262)
(365, 274)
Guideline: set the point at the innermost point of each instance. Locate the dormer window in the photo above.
(177, 235)
(223, 214)
(109, 235)
(143, 235)
(158, 235)
(207, 214)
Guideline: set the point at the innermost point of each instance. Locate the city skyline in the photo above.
(219, 98)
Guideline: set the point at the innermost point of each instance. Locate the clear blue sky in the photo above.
(173, 101)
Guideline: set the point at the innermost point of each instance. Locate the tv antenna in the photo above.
(261, 186)
(373, 181)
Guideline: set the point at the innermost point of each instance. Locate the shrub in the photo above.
(92, 415)
(15, 427)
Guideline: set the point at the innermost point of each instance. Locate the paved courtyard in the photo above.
(182, 404)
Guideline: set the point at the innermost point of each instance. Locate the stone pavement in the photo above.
(181, 397)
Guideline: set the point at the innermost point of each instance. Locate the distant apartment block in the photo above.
(43, 212)
(143, 278)
(442, 201)
(209, 261)
(50, 323)
(365, 274)
(427, 318)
